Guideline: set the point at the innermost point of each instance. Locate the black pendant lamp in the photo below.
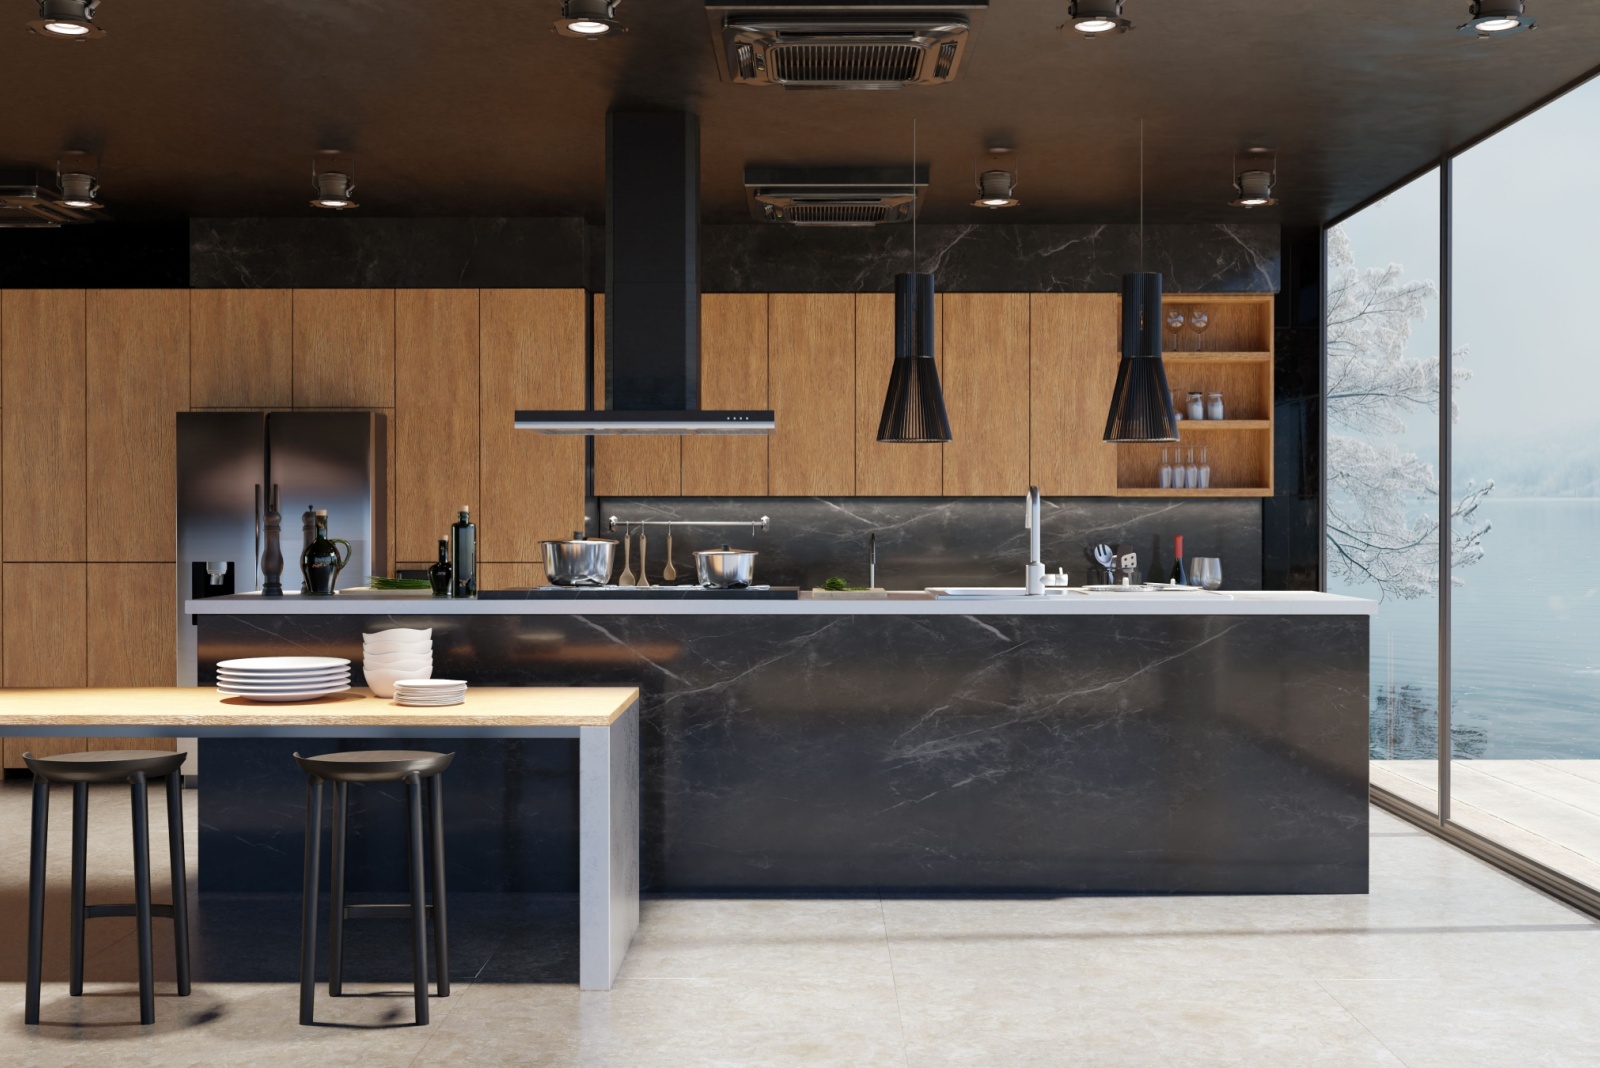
(1141, 403)
(913, 409)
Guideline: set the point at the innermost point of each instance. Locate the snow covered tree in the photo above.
(1383, 515)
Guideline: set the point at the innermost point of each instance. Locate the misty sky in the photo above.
(1527, 269)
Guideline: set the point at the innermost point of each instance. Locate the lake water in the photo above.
(1525, 644)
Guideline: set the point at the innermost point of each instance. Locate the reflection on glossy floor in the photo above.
(1548, 810)
(1446, 963)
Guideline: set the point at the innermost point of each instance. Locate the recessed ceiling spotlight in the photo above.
(333, 176)
(66, 20)
(1098, 18)
(1497, 18)
(78, 176)
(996, 188)
(589, 18)
(1254, 185)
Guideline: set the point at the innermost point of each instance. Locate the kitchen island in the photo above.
(1163, 743)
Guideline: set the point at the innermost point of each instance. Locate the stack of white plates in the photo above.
(426, 692)
(391, 655)
(283, 678)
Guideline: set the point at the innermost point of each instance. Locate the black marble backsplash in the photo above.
(954, 541)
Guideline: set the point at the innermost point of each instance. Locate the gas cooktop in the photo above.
(749, 593)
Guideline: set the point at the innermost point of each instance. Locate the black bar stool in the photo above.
(342, 769)
(136, 767)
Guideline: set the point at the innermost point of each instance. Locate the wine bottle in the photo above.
(439, 573)
(464, 556)
(1179, 576)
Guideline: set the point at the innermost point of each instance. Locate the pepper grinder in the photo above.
(272, 555)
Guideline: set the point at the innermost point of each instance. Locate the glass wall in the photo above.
(1382, 493)
(1525, 618)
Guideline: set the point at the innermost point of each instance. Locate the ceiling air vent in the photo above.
(833, 196)
(874, 45)
(27, 201)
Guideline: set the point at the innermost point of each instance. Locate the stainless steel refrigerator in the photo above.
(227, 463)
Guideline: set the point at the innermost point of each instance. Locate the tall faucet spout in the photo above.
(1033, 520)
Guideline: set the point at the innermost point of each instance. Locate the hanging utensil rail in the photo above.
(763, 523)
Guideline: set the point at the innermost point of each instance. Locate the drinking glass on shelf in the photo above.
(1205, 469)
(1208, 569)
(1198, 321)
(1165, 470)
(1192, 475)
(1175, 324)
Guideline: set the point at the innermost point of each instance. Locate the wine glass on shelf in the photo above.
(1165, 471)
(1175, 324)
(1205, 469)
(1198, 321)
(1192, 476)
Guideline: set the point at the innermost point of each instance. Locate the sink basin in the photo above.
(978, 591)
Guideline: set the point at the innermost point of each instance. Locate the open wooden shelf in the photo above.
(1234, 357)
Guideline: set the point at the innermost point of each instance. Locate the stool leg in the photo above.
(180, 879)
(80, 866)
(441, 935)
(141, 896)
(419, 911)
(308, 901)
(341, 817)
(41, 824)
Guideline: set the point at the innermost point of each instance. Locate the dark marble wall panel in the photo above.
(1085, 258)
(381, 253)
(953, 541)
(822, 753)
(102, 255)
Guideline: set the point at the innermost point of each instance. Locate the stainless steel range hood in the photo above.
(652, 289)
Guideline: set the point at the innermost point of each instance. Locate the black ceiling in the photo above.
(213, 107)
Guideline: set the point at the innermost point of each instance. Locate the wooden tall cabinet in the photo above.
(43, 381)
(985, 376)
(1073, 355)
(437, 416)
(733, 375)
(898, 470)
(811, 381)
(241, 348)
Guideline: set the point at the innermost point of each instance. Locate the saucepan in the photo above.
(725, 568)
(578, 561)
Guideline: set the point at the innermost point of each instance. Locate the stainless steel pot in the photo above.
(578, 561)
(725, 568)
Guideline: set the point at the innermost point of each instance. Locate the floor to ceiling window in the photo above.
(1382, 419)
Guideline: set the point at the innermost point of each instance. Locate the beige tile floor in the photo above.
(1548, 810)
(1446, 964)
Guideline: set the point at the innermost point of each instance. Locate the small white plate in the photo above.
(282, 697)
(431, 684)
(284, 676)
(284, 663)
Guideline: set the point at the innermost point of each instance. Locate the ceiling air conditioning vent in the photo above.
(27, 202)
(833, 196)
(843, 46)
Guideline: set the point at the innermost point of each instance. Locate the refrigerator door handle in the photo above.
(255, 561)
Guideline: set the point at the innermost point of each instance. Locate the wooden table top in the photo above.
(200, 706)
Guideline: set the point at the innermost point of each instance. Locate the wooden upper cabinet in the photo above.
(1073, 358)
(630, 465)
(985, 376)
(900, 470)
(532, 356)
(138, 381)
(811, 380)
(344, 348)
(436, 415)
(241, 348)
(733, 375)
(43, 376)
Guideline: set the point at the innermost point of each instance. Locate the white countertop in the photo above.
(1197, 603)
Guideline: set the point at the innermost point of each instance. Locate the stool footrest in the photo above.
(380, 912)
(95, 912)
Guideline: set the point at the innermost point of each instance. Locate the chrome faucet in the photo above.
(1035, 570)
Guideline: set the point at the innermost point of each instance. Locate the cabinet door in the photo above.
(644, 465)
(241, 348)
(131, 635)
(532, 357)
(811, 380)
(733, 375)
(436, 415)
(43, 377)
(1073, 358)
(887, 470)
(985, 375)
(344, 348)
(44, 621)
(138, 373)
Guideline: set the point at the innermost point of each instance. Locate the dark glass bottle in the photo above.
(1179, 575)
(464, 556)
(322, 561)
(439, 573)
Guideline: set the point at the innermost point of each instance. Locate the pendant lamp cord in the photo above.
(914, 204)
(1141, 196)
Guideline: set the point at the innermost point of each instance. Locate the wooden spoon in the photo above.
(669, 573)
(626, 578)
(644, 575)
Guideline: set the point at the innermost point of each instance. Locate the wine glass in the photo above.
(1165, 470)
(1175, 324)
(1198, 321)
(1208, 569)
(1205, 468)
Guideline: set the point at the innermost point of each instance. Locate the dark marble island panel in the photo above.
(881, 753)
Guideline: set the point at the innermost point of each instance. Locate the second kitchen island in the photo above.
(1162, 743)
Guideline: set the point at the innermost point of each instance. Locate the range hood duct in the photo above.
(652, 289)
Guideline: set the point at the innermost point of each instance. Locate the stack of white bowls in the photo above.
(391, 655)
(283, 678)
